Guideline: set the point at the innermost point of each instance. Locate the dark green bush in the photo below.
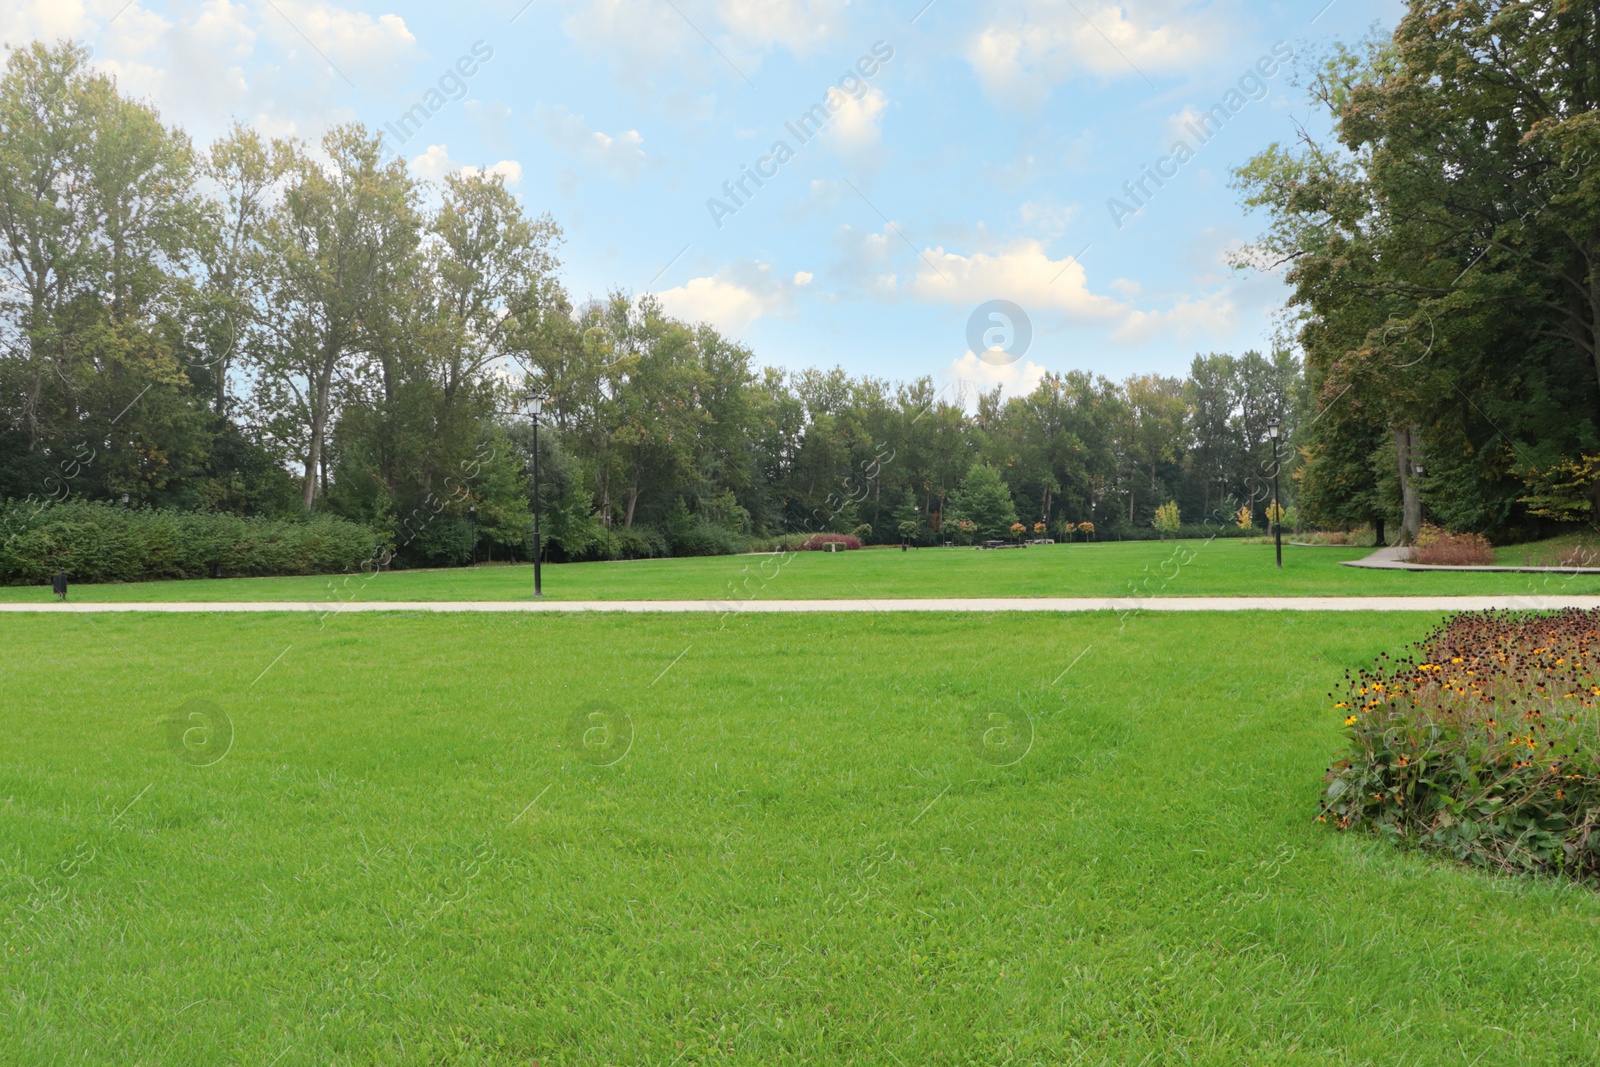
(706, 539)
(434, 541)
(107, 543)
(632, 542)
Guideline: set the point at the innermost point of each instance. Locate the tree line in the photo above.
(264, 327)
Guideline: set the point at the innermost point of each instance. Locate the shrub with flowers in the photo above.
(1039, 529)
(1482, 744)
(1087, 529)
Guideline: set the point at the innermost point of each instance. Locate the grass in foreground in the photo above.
(1112, 569)
(808, 853)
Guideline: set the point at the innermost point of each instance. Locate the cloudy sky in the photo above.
(831, 182)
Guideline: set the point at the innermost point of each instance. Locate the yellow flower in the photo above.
(1351, 721)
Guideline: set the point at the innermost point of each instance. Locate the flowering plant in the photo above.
(1482, 744)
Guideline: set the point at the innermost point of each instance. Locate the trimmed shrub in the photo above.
(1481, 745)
(98, 542)
(1443, 548)
(706, 539)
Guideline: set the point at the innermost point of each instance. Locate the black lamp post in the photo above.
(534, 404)
(472, 518)
(1273, 429)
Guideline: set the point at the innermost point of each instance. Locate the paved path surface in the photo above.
(1219, 603)
(1399, 559)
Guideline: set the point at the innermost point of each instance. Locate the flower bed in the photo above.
(1482, 745)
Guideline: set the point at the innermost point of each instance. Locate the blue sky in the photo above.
(970, 153)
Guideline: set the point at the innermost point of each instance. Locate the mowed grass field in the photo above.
(831, 839)
(1112, 569)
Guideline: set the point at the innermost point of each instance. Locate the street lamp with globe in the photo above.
(1274, 427)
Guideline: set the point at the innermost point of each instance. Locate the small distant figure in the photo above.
(59, 584)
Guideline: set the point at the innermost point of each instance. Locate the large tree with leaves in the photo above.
(1446, 254)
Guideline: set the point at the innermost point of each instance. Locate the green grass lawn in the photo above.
(809, 853)
(1134, 568)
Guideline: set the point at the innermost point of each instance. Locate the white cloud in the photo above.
(622, 154)
(509, 169)
(1014, 379)
(435, 163)
(1189, 319)
(855, 132)
(1022, 272)
(726, 305)
(1021, 55)
(797, 25)
(735, 297)
(209, 62)
(1054, 293)
(363, 48)
(802, 277)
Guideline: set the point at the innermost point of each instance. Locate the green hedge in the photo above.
(106, 543)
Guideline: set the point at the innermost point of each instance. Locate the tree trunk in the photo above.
(319, 426)
(308, 484)
(1408, 448)
(1377, 528)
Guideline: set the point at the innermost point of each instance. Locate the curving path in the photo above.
(973, 604)
(1395, 558)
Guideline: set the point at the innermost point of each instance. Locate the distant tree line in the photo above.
(269, 329)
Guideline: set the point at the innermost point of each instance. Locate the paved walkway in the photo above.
(1395, 558)
(975, 604)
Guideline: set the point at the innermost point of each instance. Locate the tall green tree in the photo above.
(341, 246)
